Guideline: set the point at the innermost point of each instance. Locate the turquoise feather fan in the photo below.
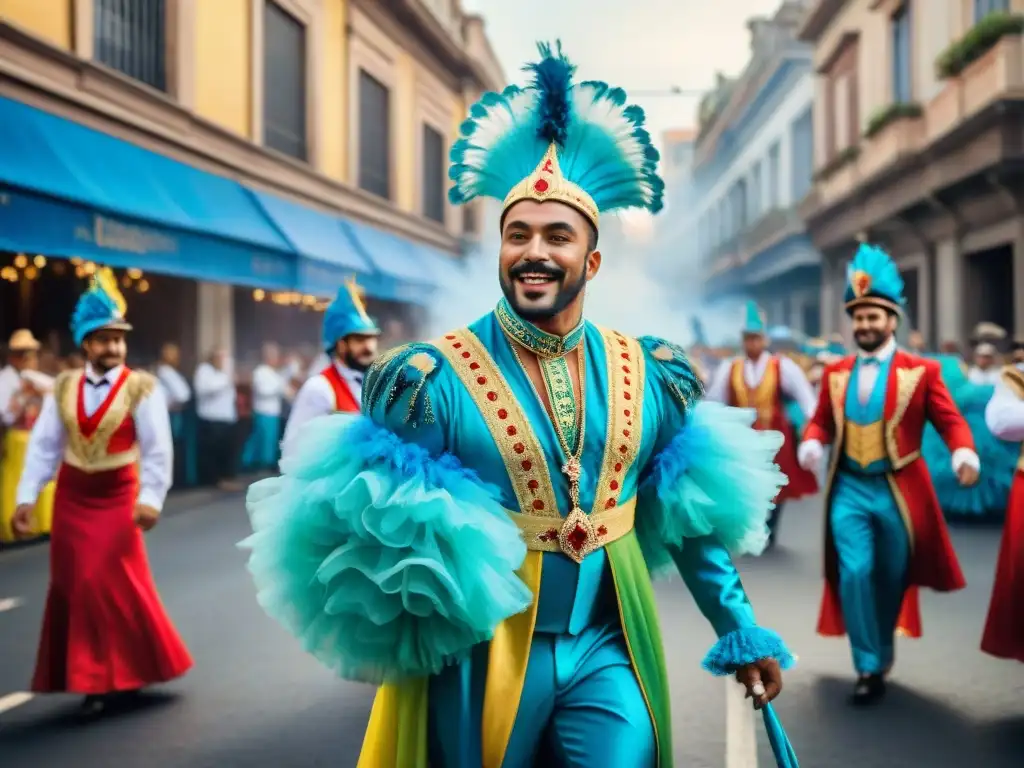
(603, 146)
(877, 274)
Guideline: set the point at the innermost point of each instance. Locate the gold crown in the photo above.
(548, 183)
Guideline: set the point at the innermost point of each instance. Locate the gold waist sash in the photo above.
(104, 463)
(865, 443)
(579, 534)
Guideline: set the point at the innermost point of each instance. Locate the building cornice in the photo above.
(819, 18)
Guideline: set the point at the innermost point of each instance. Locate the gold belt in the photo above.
(579, 534)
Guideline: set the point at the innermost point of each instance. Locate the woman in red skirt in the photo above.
(105, 434)
(1004, 628)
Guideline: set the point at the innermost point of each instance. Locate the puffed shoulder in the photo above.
(675, 369)
(401, 373)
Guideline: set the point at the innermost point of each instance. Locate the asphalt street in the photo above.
(254, 700)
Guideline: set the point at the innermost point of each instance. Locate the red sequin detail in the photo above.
(578, 538)
(533, 485)
(626, 381)
(457, 345)
(492, 396)
(502, 414)
(625, 355)
(627, 413)
(627, 396)
(625, 432)
(610, 503)
(538, 504)
(625, 369)
(614, 485)
(549, 535)
(474, 366)
(481, 379)
(623, 449)
(618, 466)
(450, 336)
(511, 430)
(602, 530)
(622, 342)
(465, 355)
(518, 447)
(527, 465)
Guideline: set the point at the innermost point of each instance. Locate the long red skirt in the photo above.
(104, 629)
(1004, 627)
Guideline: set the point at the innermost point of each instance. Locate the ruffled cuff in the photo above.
(716, 477)
(385, 562)
(745, 646)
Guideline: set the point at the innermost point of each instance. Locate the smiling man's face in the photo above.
(548, 253)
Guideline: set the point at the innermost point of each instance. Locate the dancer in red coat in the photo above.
(105, 434)
(884, 532)
(767, 383)
(1004, 628)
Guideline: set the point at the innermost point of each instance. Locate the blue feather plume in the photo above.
(885, 281)
(94, 310)
(603, 145)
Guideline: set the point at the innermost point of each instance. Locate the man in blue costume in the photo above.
(884, 532)
(481, 541)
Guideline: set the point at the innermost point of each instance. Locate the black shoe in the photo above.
(868, 690)
(92, 707)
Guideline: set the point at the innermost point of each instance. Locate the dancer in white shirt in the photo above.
(269, 389)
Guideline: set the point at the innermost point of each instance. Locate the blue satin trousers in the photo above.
(262, 449)
(873, 549)
(582, 707)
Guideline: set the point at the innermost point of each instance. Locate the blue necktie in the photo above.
(870, 361)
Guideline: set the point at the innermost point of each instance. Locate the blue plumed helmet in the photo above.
(754, 322)
(872, 279)
(346, 316)
(815, 348)
(574, 143)
(102, 306)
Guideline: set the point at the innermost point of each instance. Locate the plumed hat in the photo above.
(102, 306)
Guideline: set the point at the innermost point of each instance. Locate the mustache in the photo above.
(536, 269)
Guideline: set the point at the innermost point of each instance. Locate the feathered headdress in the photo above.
(873, 279)
(101, 306)
(575, 143)
(347, 315)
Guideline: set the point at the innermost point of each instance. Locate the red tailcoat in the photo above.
(104, 627)
(344, 400)
(915, 395)
(766, 399)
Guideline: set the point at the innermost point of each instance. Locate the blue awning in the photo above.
(407, 267)
(67, 190)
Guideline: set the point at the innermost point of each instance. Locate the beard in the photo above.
(566, 295)
(870, 340)
(354, 363)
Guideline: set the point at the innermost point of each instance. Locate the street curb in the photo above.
(177, 503)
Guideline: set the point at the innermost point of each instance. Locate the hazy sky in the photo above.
(640, 45)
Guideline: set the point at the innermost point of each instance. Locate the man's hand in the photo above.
(809, 454)
(145, 516)
(967, 475)
(763, 680)
(22, 521)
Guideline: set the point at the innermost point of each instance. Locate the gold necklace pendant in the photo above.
(572, 469)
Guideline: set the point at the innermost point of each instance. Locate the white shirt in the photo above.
(175, 386)
(10, 383)
(1004, 414)
(152, 430)
(215, 393)
(792, 381)
(976, 375)
(316, 398)
(268, 390)
(810, 451)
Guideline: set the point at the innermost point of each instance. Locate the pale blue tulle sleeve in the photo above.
(705, 496)
(383, 555)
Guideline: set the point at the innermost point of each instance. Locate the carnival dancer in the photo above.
(1004, 627)
(350, 339)
(884, 531)
(22, 390)
(105, 433)
(393, 545)
(769, 383)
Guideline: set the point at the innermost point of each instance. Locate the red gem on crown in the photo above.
(540, 186)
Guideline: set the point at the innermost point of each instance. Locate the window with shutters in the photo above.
(802, 154)
(131, 37)
(902, 91)
(374, 136)
(433, 174)
(842, 110)
(284, 82)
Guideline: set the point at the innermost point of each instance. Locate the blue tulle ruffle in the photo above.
(745, 646)
(384, 562)
(718, 476)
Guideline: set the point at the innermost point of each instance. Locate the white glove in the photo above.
(809, 454)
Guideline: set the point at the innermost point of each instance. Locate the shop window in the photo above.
(284, 82)
(374, 136)
(433, 174)
(131, 37)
